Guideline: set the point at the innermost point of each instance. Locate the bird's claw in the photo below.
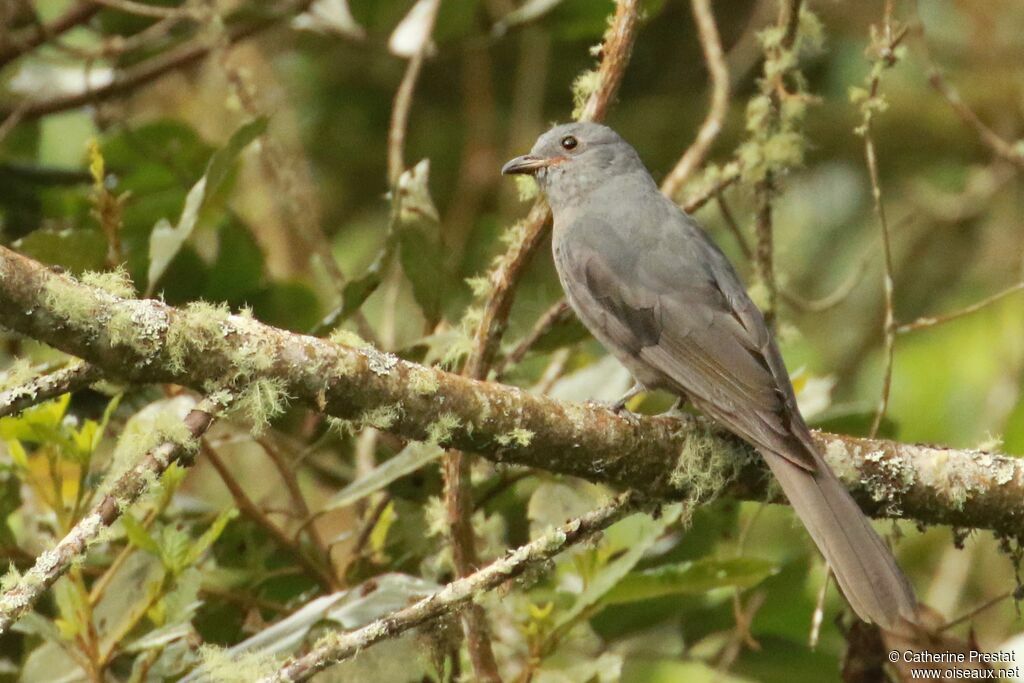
(618, 408)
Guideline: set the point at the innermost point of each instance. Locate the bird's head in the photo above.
(571, 160)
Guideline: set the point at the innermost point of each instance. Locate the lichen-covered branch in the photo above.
(20, 593)
(336, 647)
(47, 386)
(148, 341)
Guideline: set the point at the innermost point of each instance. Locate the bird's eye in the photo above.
(569, 143)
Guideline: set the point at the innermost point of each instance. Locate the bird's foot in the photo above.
(619, 407)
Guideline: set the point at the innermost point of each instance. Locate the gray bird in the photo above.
(656, 292)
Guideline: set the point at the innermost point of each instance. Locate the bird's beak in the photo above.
(524, 165)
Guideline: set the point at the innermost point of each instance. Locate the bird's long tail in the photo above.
(864, 567)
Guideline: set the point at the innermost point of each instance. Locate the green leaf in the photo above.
(644, 531)
(690, 578)
(408, 460)
(166, 240)
(422, 261)
(76, 250)
(72, 609)
(138, 536)
(210, 536)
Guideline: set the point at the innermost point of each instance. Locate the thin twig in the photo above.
(51, 565)
(819, 610)
(931, 321)
(45, 387)
(18, 45)
(889, 324)
(143, 10)
(975, 611)
(291, 482)
(558, 312)
(734, 227)
(153, 68)
(403, 104)
(711, 44)
(253, 512)
(764, 189)
(948, 91)
(834, 298)
(336, 647)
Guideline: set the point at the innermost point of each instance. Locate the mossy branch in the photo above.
(932, 485)
(335, 646)
(20, 593)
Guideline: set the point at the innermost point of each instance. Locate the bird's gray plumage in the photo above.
(652, 287)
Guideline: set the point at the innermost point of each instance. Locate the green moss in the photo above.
(585, 85)
(381, 417)
(518, 437)
(260, 401)
(480, 285)
(217, 666)
(706, 464)
(72, 303)
(197, 330)
(423, 382)
(526, 187)
(440, 431)
(116, 282)
(341, 426)
(348, 338)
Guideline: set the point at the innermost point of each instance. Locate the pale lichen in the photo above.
(116, 282)
(260, 401)
(706, 464)
(423, 381)
(381, 417)
(440, 430)
(518, 437)
(218, 666)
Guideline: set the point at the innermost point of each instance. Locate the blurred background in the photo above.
(315, 186)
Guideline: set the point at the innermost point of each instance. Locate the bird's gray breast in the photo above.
(593, 258)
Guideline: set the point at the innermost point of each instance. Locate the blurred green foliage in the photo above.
(655, 599)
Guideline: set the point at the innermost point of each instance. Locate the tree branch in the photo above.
(47, 386)
(16, 45)
(149, 70)
(336, 647)
(19, 597)
(932, 485)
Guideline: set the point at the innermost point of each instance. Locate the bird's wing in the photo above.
(671, 298)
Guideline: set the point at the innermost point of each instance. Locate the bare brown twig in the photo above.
(151, 69)
(248, 508)
(931, 321)
(711, 44)
(17, 44)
